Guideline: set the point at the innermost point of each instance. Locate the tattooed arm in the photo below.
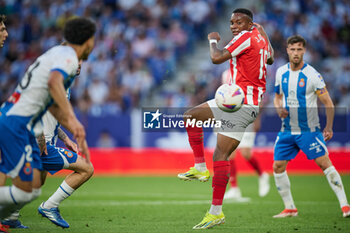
(66, 140)
(62, 135)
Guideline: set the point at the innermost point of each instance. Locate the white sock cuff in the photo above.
(19, 196)
(278, 175)
(202, 167)
(215, 209)
(36, 193)
(329, 170)
(66, 188)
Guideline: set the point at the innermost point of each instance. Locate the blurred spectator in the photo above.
(105, 140)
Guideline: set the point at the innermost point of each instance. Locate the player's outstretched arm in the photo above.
(278, 102)
(326, 100)
(260, 28)
(217, 56)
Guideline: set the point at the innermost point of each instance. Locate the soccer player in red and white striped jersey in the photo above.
(249, 51)
(245, 148)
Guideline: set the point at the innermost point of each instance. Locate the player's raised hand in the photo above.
(327, 133)
(282, 112)
(214, 36)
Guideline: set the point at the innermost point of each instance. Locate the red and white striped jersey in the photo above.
(249, 52)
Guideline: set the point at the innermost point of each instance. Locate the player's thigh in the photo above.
(57, 159)
(200, 112)
(285, 147)
(312, 144)
(37, 182)
(2, 178)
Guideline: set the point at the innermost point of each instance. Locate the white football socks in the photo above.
(336, 184)
(12, 199)
(215, 209)
(202, 167)
(62, 193)
(283, 187)
(15, 215)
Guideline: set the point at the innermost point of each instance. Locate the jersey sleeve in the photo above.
(278, 86)
(239, 44)
(66, 64)
(317, 81)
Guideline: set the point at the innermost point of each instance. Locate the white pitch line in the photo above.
(140, 194)
(133, 203)
(173, 202)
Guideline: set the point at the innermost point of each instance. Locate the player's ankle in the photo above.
(201, 167)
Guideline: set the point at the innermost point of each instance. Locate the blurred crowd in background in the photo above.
(324, 24)
(140, 45)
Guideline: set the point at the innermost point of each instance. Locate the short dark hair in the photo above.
(296, 39)
(78, 30)
(244, 11)
(2, 18)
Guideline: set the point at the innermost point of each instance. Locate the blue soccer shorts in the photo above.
(19, 150)
(287, 145)
(57, 158)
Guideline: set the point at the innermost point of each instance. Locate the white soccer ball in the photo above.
(229, 98)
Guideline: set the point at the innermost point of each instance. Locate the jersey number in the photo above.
(263, 58)
(28, 76)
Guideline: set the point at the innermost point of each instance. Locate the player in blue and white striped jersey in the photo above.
(42, 88)
(53, 160)
(297, 88)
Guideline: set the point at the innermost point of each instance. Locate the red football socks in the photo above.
(195, 137)
(255, 164)
(220, 180)
(233, 173)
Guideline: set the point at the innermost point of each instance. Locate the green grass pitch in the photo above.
(166, 204)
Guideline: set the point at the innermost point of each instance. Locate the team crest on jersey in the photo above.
(27, 169)
(68, 154)
(301, 82)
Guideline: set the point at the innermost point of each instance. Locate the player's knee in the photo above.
(323, 162)
(278, 167)
(36, 193)
(86, 170)
(221, 153)
(89, 170)
(19, 196)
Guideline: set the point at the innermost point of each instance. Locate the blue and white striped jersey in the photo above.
(300, 98)
(31, 98)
